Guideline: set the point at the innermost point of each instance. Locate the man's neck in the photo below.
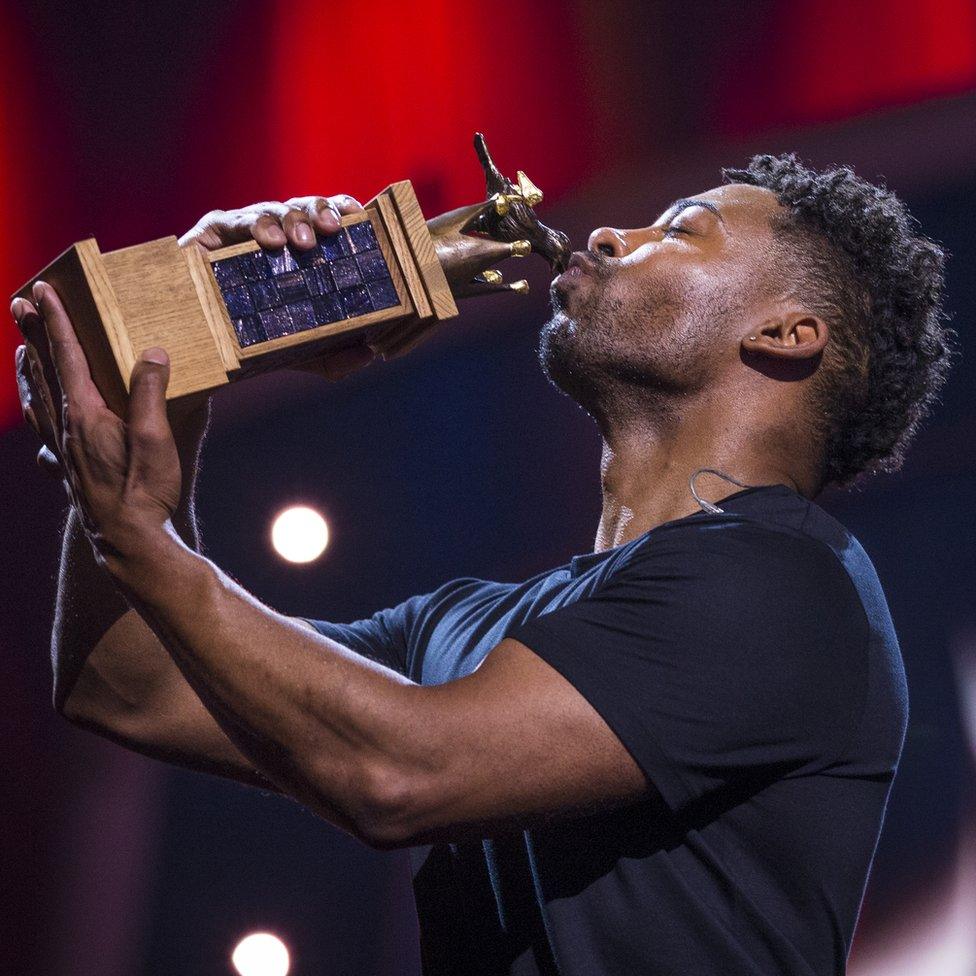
(646, 467)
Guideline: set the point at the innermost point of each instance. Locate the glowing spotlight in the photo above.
(299, 534)
(261, 954)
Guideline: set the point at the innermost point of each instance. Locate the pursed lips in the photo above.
(580, 263)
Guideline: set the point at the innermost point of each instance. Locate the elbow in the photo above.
(386, 812)
(68, 706)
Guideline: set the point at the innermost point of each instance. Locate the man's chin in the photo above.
(559, 352)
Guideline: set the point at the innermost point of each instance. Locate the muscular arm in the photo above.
(393, 762)
(111, 673)
(113, 676)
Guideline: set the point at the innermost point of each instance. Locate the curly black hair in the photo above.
(856, 258)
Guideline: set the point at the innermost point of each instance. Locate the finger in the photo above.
(488, 283)
(24, 393)
(69, 359)
(45, 390)
(298, 229)
(346, 204)
(266, 229)
(321, 213)
(147, 427)
(44, 417)
(325, 216)
(335, 365)
(48, 463)
(211, 231)
(20, 308)
(261, 223)
(400, 342)
(28, 322)
(220, 228)
(20, 371)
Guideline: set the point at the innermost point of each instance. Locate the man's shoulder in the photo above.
(771, 523)
(770, 538)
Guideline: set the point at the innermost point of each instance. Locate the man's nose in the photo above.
(609, 241)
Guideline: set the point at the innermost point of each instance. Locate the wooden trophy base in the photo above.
(227, 314)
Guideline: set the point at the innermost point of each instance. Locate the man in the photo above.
(669, 756)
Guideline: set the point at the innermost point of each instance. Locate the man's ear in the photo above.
(793, 337)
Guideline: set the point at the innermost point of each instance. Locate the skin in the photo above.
(678, 341)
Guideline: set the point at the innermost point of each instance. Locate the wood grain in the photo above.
(161, 307)
(208, 292)
(81, 280)
(415, 228)
(411, 272)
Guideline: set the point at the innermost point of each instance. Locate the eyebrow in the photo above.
(685, 203)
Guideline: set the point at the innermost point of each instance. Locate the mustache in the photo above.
(594, 262)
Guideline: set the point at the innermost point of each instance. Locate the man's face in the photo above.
(661, 309)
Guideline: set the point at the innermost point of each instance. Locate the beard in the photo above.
(623, 357)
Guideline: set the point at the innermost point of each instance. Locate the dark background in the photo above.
(127, 121)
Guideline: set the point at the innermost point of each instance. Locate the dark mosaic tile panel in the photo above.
(310, 258)
(356, 301)
(228, 274)
(276, 322)
(302, 316)
(383, 294)
(335, 246)
(254, 266)
(281, 261)
(264, 294)
(363, 237)
(345, 273)
(270, 294)
(372, 266)
(249, 331)
(238, 301)
(328, 308)
(318, 280)
(291, 286)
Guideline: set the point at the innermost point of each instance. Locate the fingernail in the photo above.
(304, 234)
(38, 290)
(156, 355)
(17, 308)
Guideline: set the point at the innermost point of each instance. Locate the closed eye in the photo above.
(672, 230)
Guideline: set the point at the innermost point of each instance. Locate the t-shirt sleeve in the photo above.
(720, 652)
(395, 637)
(383, 637)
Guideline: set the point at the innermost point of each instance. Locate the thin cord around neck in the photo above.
(707, 506)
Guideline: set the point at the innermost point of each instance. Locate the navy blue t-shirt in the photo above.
(748, 662)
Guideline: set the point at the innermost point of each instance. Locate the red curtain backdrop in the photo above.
(19, 149)
(825, 60)
(305, 97)
(364, 94)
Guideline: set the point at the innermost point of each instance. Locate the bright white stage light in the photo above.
(261, 954)
(299, 534)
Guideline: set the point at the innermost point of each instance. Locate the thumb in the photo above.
(146, 419)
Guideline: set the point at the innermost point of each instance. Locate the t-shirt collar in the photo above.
(587, 560)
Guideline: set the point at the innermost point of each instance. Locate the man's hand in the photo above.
(272, 225)
(123, 477)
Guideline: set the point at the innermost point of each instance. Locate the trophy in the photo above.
(385, 279)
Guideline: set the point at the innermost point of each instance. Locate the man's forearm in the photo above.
(324, 724)
(89, 603)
